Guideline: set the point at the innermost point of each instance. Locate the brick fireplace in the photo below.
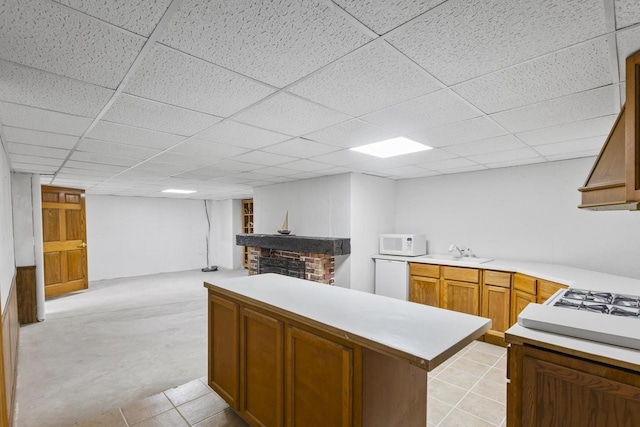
(311, 258)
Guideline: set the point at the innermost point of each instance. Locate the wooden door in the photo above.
(495, 305)
(223, 349)
(64, 238)
(519, 301)
(319, 381)
(424, 290)
(261, 369)
(463, 297)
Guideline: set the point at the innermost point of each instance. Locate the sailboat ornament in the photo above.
(285, 225)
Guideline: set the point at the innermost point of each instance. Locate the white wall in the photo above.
(7, 257)
(132, 236)
(525, 213)
(22, 219)
(317, 207)
(225, 224)
(372, 214)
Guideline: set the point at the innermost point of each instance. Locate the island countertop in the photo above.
(425, 336)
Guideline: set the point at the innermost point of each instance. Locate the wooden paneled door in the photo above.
(64, 238)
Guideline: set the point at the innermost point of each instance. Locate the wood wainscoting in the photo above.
(9, 356)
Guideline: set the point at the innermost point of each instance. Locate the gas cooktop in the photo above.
(598, 302)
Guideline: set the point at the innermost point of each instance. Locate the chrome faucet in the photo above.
(453, 247)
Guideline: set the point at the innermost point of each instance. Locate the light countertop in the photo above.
(423, 335)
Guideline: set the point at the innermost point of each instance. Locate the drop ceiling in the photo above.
(134, 97)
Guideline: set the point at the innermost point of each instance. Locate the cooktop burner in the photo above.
(599, 302)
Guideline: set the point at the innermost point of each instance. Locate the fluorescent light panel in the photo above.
(175, 191)
(392, 147)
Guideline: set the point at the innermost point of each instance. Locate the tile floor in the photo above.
(467, 390)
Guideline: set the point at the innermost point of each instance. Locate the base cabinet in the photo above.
(223, 350)
(463, 297)
(424, 290)
(550, 389)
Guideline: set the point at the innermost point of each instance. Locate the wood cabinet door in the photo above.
(223, 348)
(495, 305)
(463, 297)
(318, 380)
(64, 240)
(424, 290)
(559, 390)
(261, 369)
(519, 301)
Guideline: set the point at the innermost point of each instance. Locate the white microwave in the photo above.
(403, 244)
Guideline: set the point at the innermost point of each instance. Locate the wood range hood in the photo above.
(614, 180)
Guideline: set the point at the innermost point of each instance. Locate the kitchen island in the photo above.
(285, 351)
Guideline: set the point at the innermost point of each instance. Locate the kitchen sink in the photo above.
(450, 258)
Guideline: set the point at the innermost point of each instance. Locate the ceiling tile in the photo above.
(35, 150)
(491, 145)
(433, 155)
(123, 134)
(306, 165)
(464, 39)
(406, 171)
(567, 156)
(46, 36)
(103, 159)
(569, 131)
(133, 111)
(434, 109)
(175, 78)
(306, 175)
(378, 165)
(572, 108)
(213, 150)
(351, 133)
(35, 160)
(74, 164)
(623, 90)
(25, 117)
(463, 169)
(241, 135)
(184, 159)
(96, 174)
(276, 42)
(459, 132)
(574, 146)
(382, 15)
(373, 77)
(44, 139)
(503, 156)
(28, 86)
(33, 168)
(579, 68)
(290, 114)
(342, 158)
(161, 168)
(628, 43)
(627, 13)
(442, 165)
(262, 158)
(277, 171)
(115, 149)
(140, 16)
(517, 162)
(301, 147)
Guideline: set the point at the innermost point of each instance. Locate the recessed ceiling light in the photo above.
(392, 147)
(173, 190)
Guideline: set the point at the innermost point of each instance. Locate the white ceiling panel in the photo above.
(373, 77)
(184, 159)
(34, 137)
(575, 146)
(276, 42)
(301, 147)
(140, 16)
(566, 156)
(176, 78)
(628, 43)
(351, 133)
(434, 109)
(89, 50)
(104, 159)
(405, 171)
(96, 174)
(161, 168)
(378, 165)
(306, 165)
(214, 150)
(133, 111)
(504, 156)
(463, 39)
(443, 165)
(35, 150)
(627, 13)
(463, 169)
(115, 149)
(433, 155)
(491, 145)
(585, 105)
(277, 171)
(23, 85)
(579, 68)
(382, 15)
(623, 93)
(290, 114)
(74, 164)
(123, 134)
(25, 117)
(459, 132)
(342, 158)
(32, 168)
(517, 162)
(263, 158)
(35, 160)
(569, 131)
(241, 135)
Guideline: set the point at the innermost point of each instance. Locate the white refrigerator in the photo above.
(392, 279)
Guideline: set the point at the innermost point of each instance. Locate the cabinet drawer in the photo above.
(425, 270)
(546, 289)
(525, 283)
(463, 274)
(497, 278)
